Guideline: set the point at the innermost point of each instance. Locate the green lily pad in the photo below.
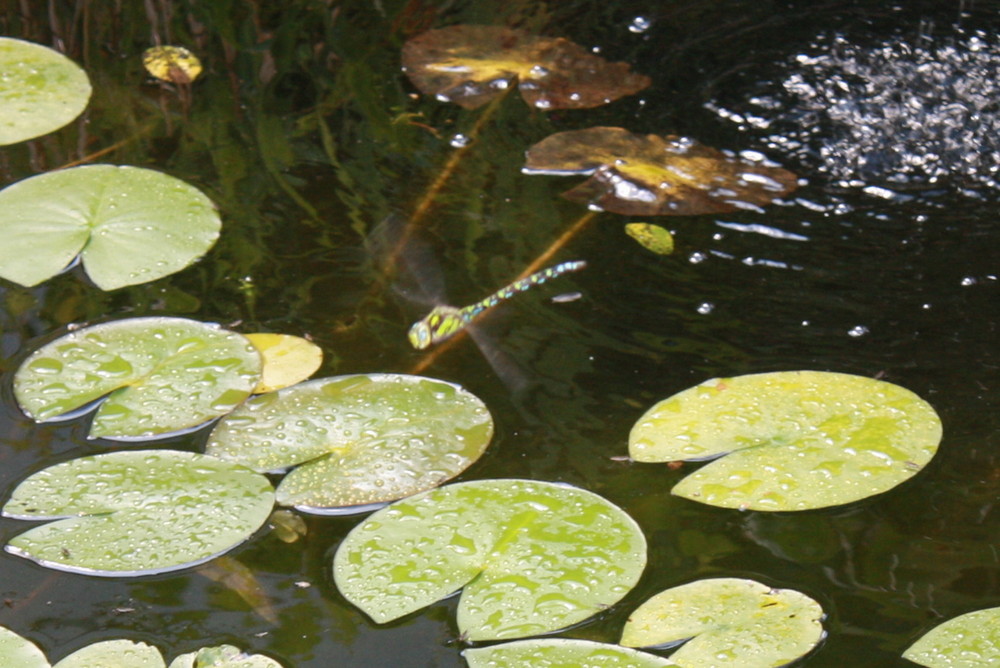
(41, 90)
(357, 440)
(561, 653)
(117, 653)
(19, 652)
(645, 175)
(790, 440)
(137, 512)
(223, 656)
(971, 640)
(533, 557)
(730, 622)
(165, 375)
(128, 225)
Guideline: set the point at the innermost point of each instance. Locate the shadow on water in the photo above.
(306, 135)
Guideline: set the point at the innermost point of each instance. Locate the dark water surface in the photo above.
(307, 136)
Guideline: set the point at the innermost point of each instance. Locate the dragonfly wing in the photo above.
(507, 369)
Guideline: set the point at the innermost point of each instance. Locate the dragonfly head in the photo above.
(420, 334)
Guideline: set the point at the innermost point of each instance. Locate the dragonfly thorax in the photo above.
(441, 323)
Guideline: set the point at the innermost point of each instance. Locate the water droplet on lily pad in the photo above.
(223, 656)
(137, 512)
(51, 219)
(728, 622)
(19, 652)
(119, 653)
(171, 374)
(966, 641)
(518, 547)
(41, 90)
(356, 440)
(790, 440)
(562, 653)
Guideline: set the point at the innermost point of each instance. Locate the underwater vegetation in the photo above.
(668, 463)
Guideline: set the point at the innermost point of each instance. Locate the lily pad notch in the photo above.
(127, 225)
(356, 442)
(789, 440)
(154, 376)
(530, 557)
(137, 512)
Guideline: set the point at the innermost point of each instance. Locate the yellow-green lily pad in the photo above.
(790, 440)
(164, 375)
(19, 652)
(530, 557)
(117, 653)
(137, 512)
(561, 653)
(728, 622)
(41, 90)
(643, 175)
(472, 64)
(971, 640)
(356, 440)
(128, 225)
(223, 656)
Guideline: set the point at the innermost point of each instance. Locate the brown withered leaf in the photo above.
(644, 175)
(470, 65)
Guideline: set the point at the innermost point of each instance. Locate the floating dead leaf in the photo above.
(652, 237)
(470, 65)
(645, 175)
(172, 63)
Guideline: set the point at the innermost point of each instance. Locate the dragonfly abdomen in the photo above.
(521, 285)
(444, 321)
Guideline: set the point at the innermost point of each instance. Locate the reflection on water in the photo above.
(887, 280)
(915, 109)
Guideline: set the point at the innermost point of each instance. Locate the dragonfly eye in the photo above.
(420, 335)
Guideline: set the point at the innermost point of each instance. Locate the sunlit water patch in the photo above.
(906, 110)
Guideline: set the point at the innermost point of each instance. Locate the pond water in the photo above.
(308, 137)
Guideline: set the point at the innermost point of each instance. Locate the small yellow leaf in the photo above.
(172, 63)
(287, 360)
(651, 237)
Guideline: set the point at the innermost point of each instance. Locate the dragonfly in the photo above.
(445, 321)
